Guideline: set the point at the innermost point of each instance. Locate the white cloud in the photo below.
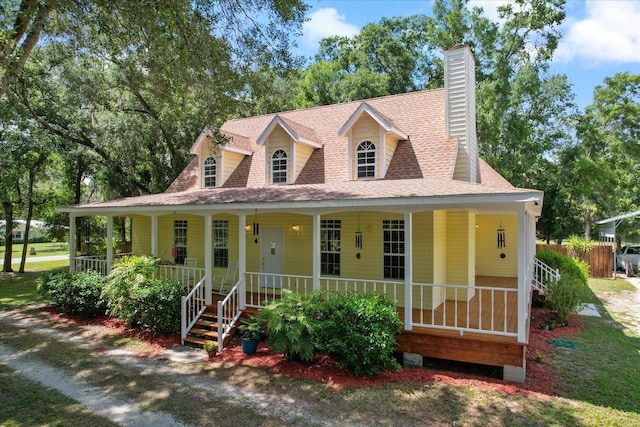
(610, 32)
(325, 23)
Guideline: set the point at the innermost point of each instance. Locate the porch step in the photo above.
(206, 330)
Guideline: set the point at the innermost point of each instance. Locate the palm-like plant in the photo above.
(128, 273)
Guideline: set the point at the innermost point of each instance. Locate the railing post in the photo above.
(183, 319)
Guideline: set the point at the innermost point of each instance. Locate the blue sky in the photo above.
(601, 37)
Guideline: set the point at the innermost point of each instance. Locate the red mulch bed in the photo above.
(324, 369)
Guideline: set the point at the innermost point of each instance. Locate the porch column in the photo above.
(154, 235)
(523, 287)
(208, 264)
(242, 259)
(72, 243)
(408, 269)
(109, 243)
(316, 251)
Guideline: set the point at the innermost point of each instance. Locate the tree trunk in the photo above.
(8, 236)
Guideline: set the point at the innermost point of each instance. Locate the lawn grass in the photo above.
(26, 403)
(42, 249)
(604, 368)
(598, 384)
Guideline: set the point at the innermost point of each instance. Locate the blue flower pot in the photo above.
(250, 345)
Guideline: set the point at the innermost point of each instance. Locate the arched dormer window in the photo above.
(279, 167)
(210, 172)
(366, 159)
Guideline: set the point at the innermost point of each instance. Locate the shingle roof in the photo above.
(421, 166)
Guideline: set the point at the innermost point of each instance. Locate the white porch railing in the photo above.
(228, 314)
(263, 287)
(543, 275)
(96, 263)
(481, 309)
(188, 276)
(191, 308)
(392, 289)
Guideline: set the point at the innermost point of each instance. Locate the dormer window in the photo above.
(279, 167)
(366, 158)
(210, 172)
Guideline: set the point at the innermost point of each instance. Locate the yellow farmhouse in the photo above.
(383, 195)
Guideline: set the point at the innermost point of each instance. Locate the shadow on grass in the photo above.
(604, 368)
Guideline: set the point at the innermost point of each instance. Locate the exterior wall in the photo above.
(365, 129)
(303, 152)
(279, 140)
(297, 247)
(423, 247)
(230, 162)
(195, 237)
(390, 145)
(488, 261)
(141, 230)
(460, 251)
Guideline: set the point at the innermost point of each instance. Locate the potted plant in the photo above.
(252, 331)
(210, 348)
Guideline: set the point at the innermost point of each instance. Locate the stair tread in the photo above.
(205, 332)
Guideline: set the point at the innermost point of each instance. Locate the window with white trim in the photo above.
(220, 243)
(366, 159)
(209, 172)
(330, 247)
(279, 167)
(179, 241)
(393, 248)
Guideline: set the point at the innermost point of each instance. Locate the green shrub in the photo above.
(155, 305)
(360, 329)
(127, 273)
(289, 322)
(565, 295)
(74, 293)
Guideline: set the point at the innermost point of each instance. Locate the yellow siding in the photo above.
(458, 248)
(488, 261)
(279, 140)
(303, 152)
(423, 247)
(440, 247)
(365, 129)
(231, 162)
(298, 249)
(390, 145)
(195, 237)
(141, 230)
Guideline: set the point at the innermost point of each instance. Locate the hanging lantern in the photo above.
(502, 242)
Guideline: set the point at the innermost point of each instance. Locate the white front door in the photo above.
(271, 256)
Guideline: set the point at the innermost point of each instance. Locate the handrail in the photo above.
(188, 276)
(479, 309)
(191, 308)
(262, 287)
(228, 314)
(543, 275)
(344, 285)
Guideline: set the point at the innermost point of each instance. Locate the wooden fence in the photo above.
(600, 258)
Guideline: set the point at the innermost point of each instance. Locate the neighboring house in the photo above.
(37, 230)
(383, 195)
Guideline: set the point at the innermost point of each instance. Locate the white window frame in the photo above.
(367, 164)
(210, 169)
(277, 169)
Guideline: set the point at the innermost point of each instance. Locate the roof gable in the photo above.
(299, 133)
(383, 121)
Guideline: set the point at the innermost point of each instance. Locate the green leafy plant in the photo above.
(209, 347)
(289, 322)
(360, 329)
(74, 293)
(579, 246)
(252, 327)
(565, 295)
(155, 305)
(127, 273)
